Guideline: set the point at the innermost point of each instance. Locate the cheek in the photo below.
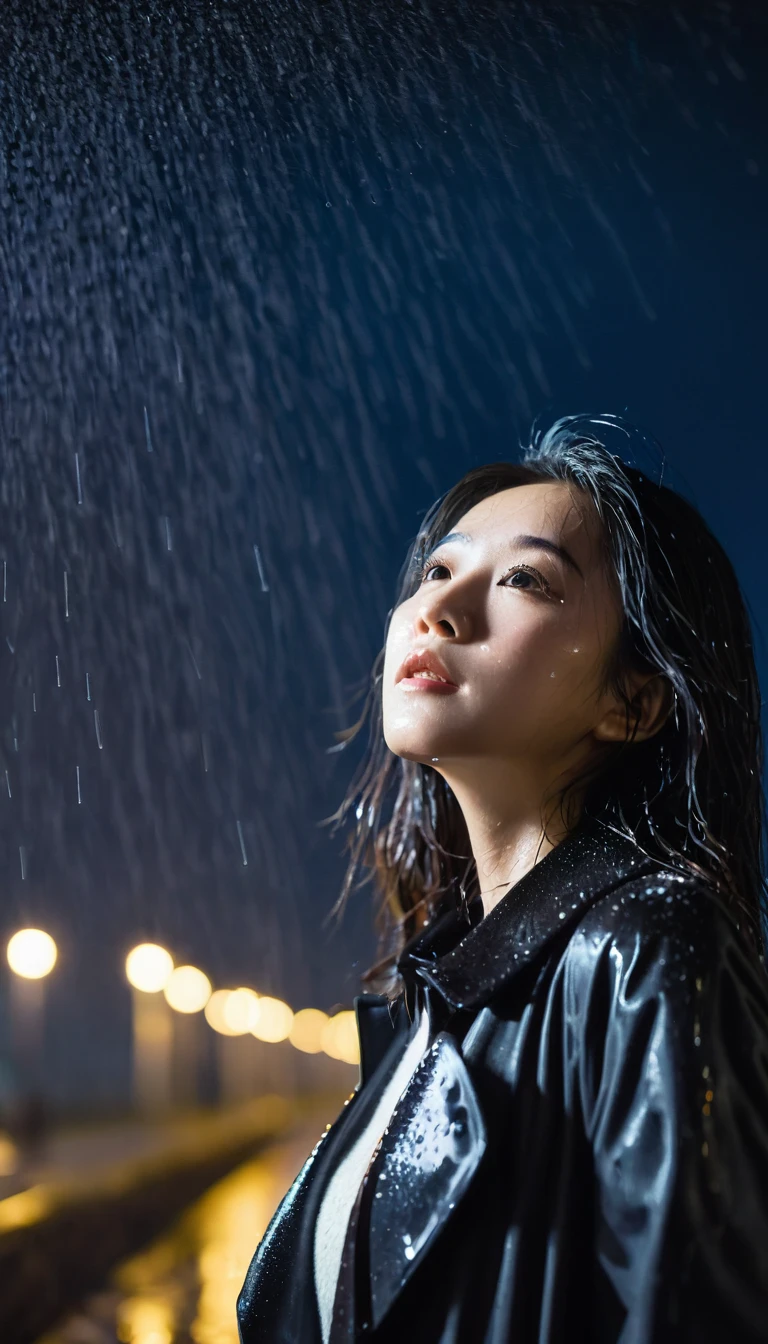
(539, 668)
(395, 717)
(398, 642)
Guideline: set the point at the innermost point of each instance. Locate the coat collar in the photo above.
(468, 959)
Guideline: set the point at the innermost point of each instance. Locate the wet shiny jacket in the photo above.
(583, 1153)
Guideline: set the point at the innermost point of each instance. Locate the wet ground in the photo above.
(182, 1288)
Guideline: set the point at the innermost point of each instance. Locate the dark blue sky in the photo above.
(275, 277)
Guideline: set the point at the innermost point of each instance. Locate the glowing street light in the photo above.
(273, 1020)
(215, 1013)
(31, 954)
(187, 989)
(340, 1039)
(241, 1010)
(148, 967)
(231, 1012)
(306, 1031)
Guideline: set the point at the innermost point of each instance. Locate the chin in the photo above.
(422, 737)
(409, 745)
(410, 754)
(420, 747)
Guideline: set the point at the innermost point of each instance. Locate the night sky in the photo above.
(273, 277)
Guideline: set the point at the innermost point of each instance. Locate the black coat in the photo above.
(583, 1153)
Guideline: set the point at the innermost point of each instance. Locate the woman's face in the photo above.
(518, 615)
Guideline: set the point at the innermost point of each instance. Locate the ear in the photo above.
(651, 699)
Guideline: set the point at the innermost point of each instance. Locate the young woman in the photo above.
(560, 1131)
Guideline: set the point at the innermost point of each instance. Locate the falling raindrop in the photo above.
(242, 844)
(147, 433)
(262, 578)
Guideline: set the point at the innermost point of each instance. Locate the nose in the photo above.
(443, 616)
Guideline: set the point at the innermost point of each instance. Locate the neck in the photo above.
(511, 826)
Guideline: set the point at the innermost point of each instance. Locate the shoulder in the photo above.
(665, 928)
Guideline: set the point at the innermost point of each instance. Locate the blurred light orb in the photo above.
(273, 1021)
(307, 1030)
(149, 967)
(31, 953)
(232, 1011)
(215, 1014)
(188, 989)
(241, 1010)
(340, 1039)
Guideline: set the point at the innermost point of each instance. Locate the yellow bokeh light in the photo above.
(188, 989)
(214, 1012)
(307, 1030)
(149, 967)
(31, 953)
(340, 1039)
(241, 1010)
(273, 1021)
(145, 1320)
(232, 1011)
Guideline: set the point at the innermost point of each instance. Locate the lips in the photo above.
(424, 666)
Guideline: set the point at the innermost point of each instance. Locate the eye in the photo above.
(431, 569)
(526, 578)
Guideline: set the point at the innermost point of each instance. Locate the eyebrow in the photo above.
(525, 540)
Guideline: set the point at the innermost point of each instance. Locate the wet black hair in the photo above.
(691, 795)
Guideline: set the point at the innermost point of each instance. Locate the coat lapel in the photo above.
(426, 1162)
(379, 1021)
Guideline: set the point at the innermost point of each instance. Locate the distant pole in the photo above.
(231, 1012)
(152, 1052)
(186, 1061)
(148, 968)
(187, 992)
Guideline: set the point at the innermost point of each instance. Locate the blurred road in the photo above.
(84, 1151)
(182, 1288)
